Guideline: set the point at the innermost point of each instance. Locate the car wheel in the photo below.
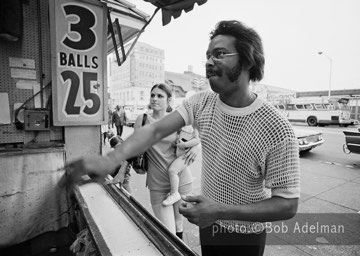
(312, 121)
(304, 152)
(346, 150)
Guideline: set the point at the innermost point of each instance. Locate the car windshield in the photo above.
(344, 106)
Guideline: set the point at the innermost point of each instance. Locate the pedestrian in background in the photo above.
(109, 118)
(121, 175)
(119, 119)
(250, 169)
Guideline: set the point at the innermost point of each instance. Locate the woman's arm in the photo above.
(138, 122)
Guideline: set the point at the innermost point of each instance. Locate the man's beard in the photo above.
(234, 73)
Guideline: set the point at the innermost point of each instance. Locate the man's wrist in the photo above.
(114, 159)
(220, 211)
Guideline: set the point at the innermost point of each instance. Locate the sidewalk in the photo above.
(325, 190)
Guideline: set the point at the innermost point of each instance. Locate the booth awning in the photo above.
(130, 19)
(174, 8)
(126, 22)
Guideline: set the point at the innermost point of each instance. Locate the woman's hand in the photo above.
(191, 154)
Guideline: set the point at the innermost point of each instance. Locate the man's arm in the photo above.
(97, 167)
(203, 211)
(272, 209)
(120, 176)
(146, 136)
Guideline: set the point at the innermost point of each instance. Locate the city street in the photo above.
(71, 68)
(330, 183)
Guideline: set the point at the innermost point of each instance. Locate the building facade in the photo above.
(131, 82)
(185, 84)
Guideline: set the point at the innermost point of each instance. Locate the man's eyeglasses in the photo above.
(219, 55)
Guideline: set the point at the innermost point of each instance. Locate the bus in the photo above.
(335, 112)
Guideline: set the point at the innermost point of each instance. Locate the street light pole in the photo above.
(327, 56)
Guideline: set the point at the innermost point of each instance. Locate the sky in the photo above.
(292, 31)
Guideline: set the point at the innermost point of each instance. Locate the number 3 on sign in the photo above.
(80, 54)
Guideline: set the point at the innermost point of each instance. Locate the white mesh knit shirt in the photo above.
(249, 154)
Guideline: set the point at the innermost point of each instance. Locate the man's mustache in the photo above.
(211, 72)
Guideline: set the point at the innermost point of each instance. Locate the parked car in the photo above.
(352, 142)
(132, 113)
(308, 139)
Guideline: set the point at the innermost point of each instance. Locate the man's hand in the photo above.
(199, 210)
(97, 167)
(120, 176)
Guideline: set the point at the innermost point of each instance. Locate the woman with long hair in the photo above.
(159, 157)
